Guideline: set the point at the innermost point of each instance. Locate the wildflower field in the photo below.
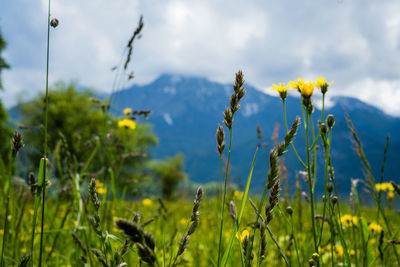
(92, 196)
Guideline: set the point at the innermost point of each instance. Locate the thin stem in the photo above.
(224, 196)
(310, 186)
(286, 127)
(295, 242)
(322, 120)
(314, 165)
(327, 150)
(45, 134)
(277, 245)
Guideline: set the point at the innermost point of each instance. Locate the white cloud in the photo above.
(356, 43)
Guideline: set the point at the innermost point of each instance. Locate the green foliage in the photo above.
(170, 173)
(5, 131)
(77, 123)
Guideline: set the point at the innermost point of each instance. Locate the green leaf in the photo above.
(240, 213)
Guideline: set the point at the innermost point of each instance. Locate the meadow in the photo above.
(84, 202)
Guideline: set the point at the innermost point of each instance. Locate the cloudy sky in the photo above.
(356, 43)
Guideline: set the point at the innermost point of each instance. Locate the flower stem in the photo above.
(45, 134)
(310, 183)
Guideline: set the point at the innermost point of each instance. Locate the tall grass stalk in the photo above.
(223, 199)
(287, 130)
(45, 136)
(239, 215)
(370, 180)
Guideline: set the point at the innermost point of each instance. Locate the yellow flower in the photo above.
(384, 187)
(280, 88)
(296, 84)
(147, 202)
(347, 220)
(322, 84)
(339, 251)
(31, 211)
(390, 187)
(243, 235)
(352, 252)
(129, 124)
(378, 187)
(23, 250)
(127, 111)
(101, 191)
(307, 89)
(1, 232)
(390, 196)
(376, 228)
(238, 195)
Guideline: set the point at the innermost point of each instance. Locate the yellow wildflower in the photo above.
(390, 196)
(127, 111)
(238, 195)
(307, 89)
(347, 220)
(126, 123)
(352, 252)
(339, 251)
(1, 232)
(384, 187)
(243, 235)
(281, 88)
(322, 84)
(23, 250)
(147, 202)
(31, 211)
(296, 84)
(376, 228)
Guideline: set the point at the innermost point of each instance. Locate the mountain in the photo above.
(186, 112)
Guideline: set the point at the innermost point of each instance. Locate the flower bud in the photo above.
(289, 210)
(329, 187)
(335, 200)
(323, 128)
(330, 120)
(315, 256)
(311, 262)
(54, 23)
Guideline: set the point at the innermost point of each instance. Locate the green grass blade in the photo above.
(240, 213)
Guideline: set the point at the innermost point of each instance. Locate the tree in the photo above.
(79, 124)
(170, 173)
(5, 131)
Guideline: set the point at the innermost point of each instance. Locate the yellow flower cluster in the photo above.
(127, 111)
(126, 123)
(384, 187)
(348, 221)
(305, 88)
(100, 188)
(373, 227)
